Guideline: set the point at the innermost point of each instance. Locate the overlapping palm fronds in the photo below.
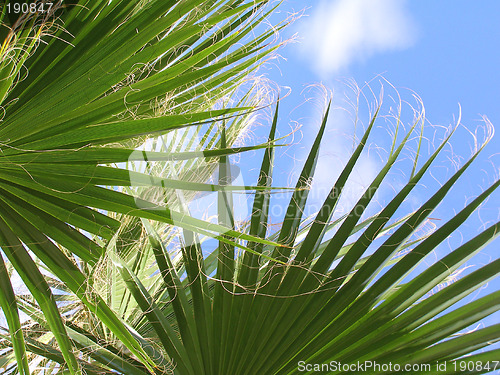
(80, 99)
(95, 218)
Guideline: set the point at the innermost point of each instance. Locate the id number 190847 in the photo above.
(478, 366)
(28, 8)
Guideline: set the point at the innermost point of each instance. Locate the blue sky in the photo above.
(446, 52)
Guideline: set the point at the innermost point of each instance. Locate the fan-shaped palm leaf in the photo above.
(134, 294)
(101, 73)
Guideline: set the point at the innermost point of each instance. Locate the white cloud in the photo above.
(341, 32)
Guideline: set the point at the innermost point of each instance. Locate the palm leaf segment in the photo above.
(314, 298)
(101, 76)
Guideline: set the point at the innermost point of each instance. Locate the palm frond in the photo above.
(131, 112)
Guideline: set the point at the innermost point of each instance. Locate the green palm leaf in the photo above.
(96, 69)
(127, 114)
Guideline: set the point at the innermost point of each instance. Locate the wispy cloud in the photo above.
(341, 32)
